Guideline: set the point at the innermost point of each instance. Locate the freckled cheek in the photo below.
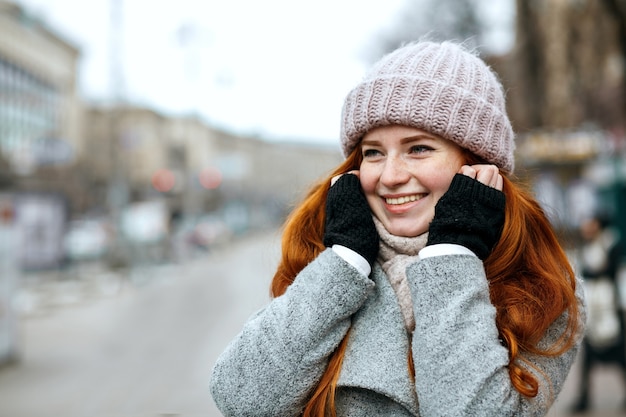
(440, 184)
(368, 182)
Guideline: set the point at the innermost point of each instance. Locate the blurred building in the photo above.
(39, 103)
(63, 160)
(194, 167)
(40, 133)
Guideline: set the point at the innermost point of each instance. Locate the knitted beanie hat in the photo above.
(437, 87)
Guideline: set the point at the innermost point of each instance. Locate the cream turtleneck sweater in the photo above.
(395, 255)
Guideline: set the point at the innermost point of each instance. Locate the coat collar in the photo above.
(378, 346)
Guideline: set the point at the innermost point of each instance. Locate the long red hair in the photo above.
(530, 279)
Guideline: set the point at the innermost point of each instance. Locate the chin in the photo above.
(405, 230)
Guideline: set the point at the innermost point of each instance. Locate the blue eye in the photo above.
(370, 153)
(420, 149)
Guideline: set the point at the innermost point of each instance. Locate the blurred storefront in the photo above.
(575, 175)
(40, 138)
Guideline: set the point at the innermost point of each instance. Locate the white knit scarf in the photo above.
(395, 255)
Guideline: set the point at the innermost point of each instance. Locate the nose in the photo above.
(394, 172)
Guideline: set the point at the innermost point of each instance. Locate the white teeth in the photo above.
(402, 200)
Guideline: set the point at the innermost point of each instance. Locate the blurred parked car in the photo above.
(193, 235)
(209, 231)
(86, 240)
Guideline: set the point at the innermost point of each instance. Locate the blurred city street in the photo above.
(143, 345)
(145, 165)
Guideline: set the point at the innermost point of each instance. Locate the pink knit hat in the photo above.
(438, 87)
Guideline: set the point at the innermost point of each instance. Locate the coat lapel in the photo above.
(377, 353)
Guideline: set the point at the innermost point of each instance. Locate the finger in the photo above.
(499, 183)
(491, 178)
(334, 179)
(493, 181)
(487, 177)
(468, 170)
(487, 174)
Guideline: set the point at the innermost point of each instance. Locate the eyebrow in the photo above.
(407, 139)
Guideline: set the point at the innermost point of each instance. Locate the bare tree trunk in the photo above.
(568, 65)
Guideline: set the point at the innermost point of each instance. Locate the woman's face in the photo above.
(404, 172)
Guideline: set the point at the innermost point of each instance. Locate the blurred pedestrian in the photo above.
(604, 343)
(417, 279)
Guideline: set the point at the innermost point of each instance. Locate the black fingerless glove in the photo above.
(349, 219)
(470, 214)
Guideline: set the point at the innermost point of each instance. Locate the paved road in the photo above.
(145, 349)
(143, 345)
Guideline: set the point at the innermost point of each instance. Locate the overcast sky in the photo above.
(276, 68)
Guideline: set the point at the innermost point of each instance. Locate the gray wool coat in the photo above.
(271, 367)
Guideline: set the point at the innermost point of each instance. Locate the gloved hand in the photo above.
(349, 219)
(470, 214)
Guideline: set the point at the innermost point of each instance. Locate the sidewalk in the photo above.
(42, 292)
(608, 393)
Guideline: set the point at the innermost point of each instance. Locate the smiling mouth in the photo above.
(402, 200)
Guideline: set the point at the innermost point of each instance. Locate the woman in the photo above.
(417, 279)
